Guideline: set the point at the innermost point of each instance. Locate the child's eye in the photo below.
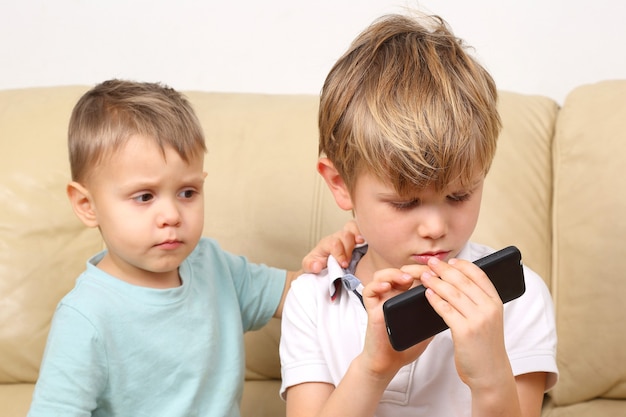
(143, 198)
(186, 194)
(459, 198)
(405, 205)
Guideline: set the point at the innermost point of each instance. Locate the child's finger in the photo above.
(416, 270)
(388, 281)
(467, 282)
(340, 245)
(477, 275)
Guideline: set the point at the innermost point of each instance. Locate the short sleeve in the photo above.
(258, 288)
(74, 369)
(530, 330)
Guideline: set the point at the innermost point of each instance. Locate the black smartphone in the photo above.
(410, 318)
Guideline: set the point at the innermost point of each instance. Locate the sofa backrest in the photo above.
(265, 200)
(517, 198)
(589, 252)
(43, 247)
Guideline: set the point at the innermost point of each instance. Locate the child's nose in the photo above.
(169, 214)
(432, 224)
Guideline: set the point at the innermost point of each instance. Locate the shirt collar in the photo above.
(338, 275)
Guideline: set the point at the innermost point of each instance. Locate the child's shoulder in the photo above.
(473, 251)
(321, 283)
(210, 259)
(208, 251)
(534, 282)
(208, 244)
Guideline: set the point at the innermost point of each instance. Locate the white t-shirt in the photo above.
(322, 332)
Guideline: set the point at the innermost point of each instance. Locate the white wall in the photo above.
(287, 46)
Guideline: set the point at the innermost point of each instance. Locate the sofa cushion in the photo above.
(595, 408)
(40, 240)
(15, 399)
(518, 188)
(589, 248)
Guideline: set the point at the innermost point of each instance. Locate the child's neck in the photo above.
(365, 269)
(141, 278)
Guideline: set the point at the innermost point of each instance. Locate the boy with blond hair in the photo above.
(154, 326)
(408, 129)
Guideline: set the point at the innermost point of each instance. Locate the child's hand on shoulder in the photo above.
(340, 245)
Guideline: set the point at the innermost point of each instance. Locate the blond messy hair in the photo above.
(409, 105)
(110, 113)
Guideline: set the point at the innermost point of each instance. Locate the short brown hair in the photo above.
(110, 113)
(408, 104)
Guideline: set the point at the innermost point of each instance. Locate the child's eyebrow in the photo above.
(148, 183)
(197, 178)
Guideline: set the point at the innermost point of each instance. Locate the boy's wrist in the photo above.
(377, 374)
(496, 394)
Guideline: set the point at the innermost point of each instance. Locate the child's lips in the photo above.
(169, 244)
(423, 258)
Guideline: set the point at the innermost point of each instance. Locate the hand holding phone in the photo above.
(410, 318)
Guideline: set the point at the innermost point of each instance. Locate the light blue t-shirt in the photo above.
(116, 349)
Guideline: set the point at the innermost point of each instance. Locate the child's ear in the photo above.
(82, 203)
(335, 183)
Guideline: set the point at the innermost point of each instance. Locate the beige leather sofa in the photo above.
(557, 190)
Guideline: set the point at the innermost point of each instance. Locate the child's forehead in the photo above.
(136, 147)
(460, 182)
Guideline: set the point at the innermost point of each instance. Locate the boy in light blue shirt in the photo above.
(155, 324)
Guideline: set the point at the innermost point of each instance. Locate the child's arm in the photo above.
(477, 327)
(340, 245)
(470, 305)
(364, 383)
